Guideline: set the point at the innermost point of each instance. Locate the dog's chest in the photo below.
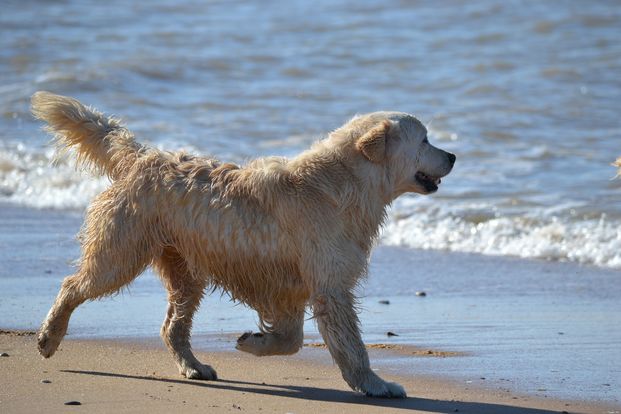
(258, 281)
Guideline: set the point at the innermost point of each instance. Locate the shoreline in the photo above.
(124, 376)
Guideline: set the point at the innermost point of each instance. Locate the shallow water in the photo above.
(525, 93)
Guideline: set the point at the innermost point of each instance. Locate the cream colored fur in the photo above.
(279, 235)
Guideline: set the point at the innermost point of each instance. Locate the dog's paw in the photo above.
(47, 344)
(376, 387)
(388, 390)
(253, 343)
(200, 372)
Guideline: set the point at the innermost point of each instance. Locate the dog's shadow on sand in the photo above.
(332, 395)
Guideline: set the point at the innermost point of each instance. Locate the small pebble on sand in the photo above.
(73, 403)
(46, 382)
(384, 302)
(4, 354)
(421, 293)
(389, 333)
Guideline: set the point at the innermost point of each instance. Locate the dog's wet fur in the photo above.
(279, 235)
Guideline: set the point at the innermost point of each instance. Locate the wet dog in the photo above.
(278, 234)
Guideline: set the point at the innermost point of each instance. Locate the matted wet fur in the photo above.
(277, 234)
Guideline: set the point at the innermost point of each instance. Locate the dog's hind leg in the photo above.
(282, 335)
(185, 292)
(114, 253)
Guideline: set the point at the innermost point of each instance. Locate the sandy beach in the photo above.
(107, 376)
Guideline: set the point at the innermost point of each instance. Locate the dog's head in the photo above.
(398, 142)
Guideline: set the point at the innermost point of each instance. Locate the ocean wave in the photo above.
(30, 178)
(536, 235)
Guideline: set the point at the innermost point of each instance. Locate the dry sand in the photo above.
(108, 376)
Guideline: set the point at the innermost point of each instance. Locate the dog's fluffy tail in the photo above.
(101, 143)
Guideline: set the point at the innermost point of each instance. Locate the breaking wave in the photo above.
(30, 179)
(544, 234)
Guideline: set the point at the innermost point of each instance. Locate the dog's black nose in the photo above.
(452, 158)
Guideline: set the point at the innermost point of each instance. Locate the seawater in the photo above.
(527, 94)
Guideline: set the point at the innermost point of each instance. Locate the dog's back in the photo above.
(222, 217)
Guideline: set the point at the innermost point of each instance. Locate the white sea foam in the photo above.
(30, 179)
(539, 234)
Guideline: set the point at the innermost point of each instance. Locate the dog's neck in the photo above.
(357, 191)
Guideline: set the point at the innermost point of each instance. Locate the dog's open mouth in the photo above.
(430, 184)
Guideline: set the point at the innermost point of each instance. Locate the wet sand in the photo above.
(106, 376)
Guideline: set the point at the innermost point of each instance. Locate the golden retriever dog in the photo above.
(277, 234)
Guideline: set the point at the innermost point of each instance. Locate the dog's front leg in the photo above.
(338, 324)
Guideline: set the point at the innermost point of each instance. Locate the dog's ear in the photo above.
(373, 143)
